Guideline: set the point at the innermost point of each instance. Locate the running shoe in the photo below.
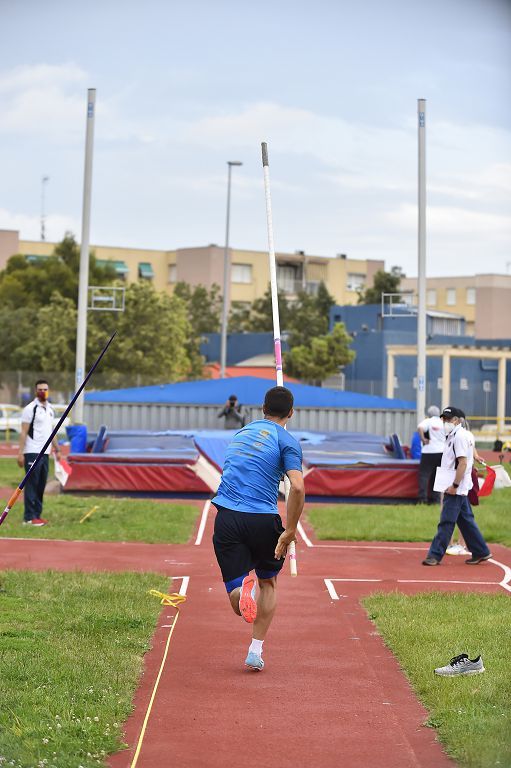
(37, 521)
(431, 561)
(248, 605)
(476, 560)
(461, 665)
(253, 661)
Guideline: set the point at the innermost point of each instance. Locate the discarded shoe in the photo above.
(461, 665)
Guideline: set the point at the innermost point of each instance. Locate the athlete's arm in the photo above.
(295, 504)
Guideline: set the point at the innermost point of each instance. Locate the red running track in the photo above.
(331, 694)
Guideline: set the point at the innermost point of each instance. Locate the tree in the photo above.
(204, 307)
(24, 283)
(309, 316)
(384, 282)
(321, 357)
(261, 315)
(153, 340)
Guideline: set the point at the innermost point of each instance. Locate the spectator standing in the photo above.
(233, 414)
(431, 431)
(36, 427)
(458, 459)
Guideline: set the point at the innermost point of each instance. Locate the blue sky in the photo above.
(331, 86)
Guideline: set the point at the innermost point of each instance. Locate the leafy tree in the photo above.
(239, 317)
(23, 283)
(261, 315)
(321, 357)
(203, 306)
(153, 338)
(309, 316)
(384, 282)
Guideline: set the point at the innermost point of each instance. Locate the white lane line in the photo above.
(184, 584)
(505, 583)
(304, 536)
(331, 589)
(372, 546)
(444, 581)
(203, 521)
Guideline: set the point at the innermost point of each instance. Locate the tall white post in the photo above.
(421, 282)
(83, 284)
(227, 275)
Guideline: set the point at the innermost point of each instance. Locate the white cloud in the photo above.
(29, 227)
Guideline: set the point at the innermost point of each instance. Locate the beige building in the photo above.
(483, 300)
(298, 271)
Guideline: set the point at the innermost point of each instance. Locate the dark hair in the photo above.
(41, 381)
(278, 401)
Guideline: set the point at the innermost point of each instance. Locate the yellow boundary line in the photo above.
(157, 681)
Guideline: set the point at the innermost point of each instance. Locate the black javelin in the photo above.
(75, 397)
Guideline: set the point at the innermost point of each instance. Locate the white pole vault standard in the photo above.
(291, 550)
(421, 279)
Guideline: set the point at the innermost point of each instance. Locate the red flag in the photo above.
(489, 482)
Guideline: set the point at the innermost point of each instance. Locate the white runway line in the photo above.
(505, 583)
(203, 521)
(372, 546)
(444, 581)
(331, 589)
(304, 536)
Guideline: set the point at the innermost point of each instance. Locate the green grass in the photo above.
(402, 522)
(10, 474)
(471, 714)
(115, 520)
(71, 648)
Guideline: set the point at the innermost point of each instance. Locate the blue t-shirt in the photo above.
(255, 461)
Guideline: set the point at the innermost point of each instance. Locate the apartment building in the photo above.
(297, 271)
(483, 300)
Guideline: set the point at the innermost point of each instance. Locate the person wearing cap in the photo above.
(458, 456)
(432, 435)
(233, 414)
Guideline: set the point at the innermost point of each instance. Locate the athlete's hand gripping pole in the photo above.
(291, 550)
(12, 501)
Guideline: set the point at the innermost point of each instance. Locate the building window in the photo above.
(145, 270)
(451, 297)
(241, 273)
(471, 296)
(287, 279)
(355, 282)
(172, 273)
(431, 297)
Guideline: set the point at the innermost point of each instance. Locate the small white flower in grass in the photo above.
(96, 719)
(45, 741)
(59, 725)
(57, 717)
(116, 725)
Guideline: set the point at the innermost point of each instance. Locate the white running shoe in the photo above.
(456, 549)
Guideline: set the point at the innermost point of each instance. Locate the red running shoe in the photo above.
(39, 521)
(248, 605)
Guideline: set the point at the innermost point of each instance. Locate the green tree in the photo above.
(309, 316)
(261, 314)
(23, 283)
(321, 357)
(203, 306)
(384, 282)
(153, 338)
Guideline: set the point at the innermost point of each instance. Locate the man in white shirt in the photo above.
(36, 427)
(458, 458)
(432, 435)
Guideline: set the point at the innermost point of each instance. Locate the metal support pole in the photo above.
(501, 397)
(44, 181)
(83, 285)
(421, 282)
(227, 274)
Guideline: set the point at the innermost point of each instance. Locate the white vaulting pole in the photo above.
(291, 550)
(83, 284)
(421, 280)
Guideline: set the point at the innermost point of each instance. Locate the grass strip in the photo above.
(71, 650)
(403, 522)
(114, 519)
(10, 474)
(424, 631)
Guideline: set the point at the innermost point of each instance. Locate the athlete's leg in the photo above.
(266, 604)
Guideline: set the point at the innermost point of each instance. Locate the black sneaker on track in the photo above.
(476, 560)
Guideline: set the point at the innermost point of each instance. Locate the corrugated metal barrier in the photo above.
(160, 417)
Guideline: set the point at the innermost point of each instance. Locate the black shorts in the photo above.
(244, 541)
